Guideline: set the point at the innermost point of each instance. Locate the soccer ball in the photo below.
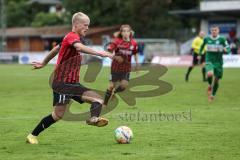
(123, 134)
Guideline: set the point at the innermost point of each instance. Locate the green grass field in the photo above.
(210, 132)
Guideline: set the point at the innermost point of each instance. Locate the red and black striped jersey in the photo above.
(125, 49)
(69, 60)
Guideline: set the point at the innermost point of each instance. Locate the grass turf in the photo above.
(202, 131)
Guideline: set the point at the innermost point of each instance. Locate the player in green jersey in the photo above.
(216, 46)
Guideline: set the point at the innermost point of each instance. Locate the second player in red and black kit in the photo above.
(124, 47)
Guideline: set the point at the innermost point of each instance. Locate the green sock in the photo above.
(215, 87)
(209, 80)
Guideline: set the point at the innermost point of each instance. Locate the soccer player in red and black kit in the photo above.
(66, 84)
(123, 46)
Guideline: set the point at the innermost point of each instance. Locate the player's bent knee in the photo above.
(57, 115)
(98, 100)
(209, 74)
(110, 88)
(123, 88)
(216, 80)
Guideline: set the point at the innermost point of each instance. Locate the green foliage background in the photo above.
(149, 18)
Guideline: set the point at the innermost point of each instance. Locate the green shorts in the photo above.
(217, 69)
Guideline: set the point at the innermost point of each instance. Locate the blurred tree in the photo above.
(183, 4)
(149, 18)
(17, 13)
(21, 13)
(46, 19)
(101, 12)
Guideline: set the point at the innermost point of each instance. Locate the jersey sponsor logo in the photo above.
(125, 49)
(214, 48)
(125, 52)
(122, 46)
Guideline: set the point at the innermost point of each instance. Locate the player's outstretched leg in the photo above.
(107, 96)
(209, 79)
(45, 123)
(210, 86)
(215, 87)
(188, 73)
(109, 93)
(204, 74)
(95, 120)
(112, 89)
(96, 107)
(203, 65)
(123, 85)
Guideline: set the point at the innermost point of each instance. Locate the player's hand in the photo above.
(119, 59)
(37, 65)
(110, 55)
(106, 54)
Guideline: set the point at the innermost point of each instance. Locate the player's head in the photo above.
(214, 31)
(80, 23)
(125, 32)
(201, 34)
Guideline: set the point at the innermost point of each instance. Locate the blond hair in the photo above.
(78, 17)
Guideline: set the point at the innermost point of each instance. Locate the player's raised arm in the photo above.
(82, 48)
(51, 55)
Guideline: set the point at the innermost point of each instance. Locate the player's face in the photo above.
(215, 31)
(126, 33)
(82, 27)
(202, 34)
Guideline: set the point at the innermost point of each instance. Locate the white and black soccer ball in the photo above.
(123, 134)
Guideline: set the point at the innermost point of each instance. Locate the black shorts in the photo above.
(63, 93)
(115, 77)
(196, 61)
